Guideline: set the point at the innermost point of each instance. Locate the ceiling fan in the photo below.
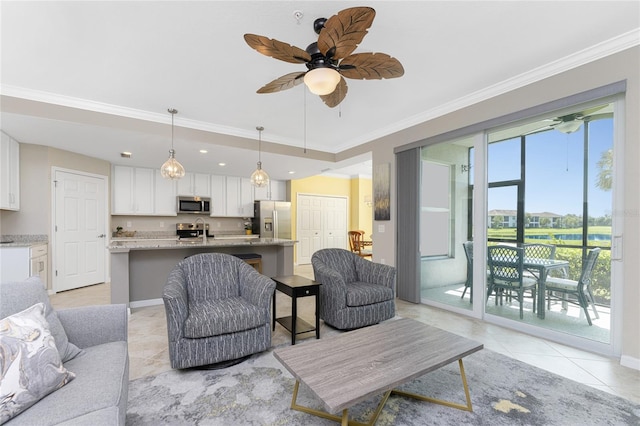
(330, 59)
(571, 122)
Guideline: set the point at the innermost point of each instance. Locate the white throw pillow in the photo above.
(30, 364)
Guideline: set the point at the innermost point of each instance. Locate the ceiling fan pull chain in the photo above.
(304, 97)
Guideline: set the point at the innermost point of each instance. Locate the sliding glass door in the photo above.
(549, 187)
(446, 194)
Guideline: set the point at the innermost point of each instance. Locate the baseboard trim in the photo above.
(631, 362)
(145, 303)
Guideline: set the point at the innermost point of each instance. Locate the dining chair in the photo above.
(506, 266)
(356, 244)
(561, 288)
(468, 285)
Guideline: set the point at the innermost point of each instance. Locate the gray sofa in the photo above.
(97, 336)
(217, 310)
(355, 292)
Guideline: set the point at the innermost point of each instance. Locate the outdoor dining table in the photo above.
(541, 268)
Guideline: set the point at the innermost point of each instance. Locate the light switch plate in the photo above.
(381, 228)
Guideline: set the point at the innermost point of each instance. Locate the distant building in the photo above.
(532, 220)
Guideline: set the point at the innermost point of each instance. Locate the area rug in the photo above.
(258, 391)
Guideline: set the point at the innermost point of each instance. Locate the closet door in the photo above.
(321, 223)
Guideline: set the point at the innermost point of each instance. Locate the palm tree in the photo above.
(605, 166)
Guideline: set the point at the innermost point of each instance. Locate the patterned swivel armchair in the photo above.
(355, 292)
(217, 310)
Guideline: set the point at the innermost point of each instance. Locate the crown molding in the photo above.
(601, 50)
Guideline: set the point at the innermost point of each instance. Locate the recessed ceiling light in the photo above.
(125, 154)
(203, 151)
(291, 172)
(222, 164)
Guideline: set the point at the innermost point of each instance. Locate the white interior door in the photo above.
(321, 223)
(309, 232)
(335, 222)
(79, 230)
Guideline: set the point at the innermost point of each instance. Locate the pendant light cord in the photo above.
(259, 129)
(173, 112)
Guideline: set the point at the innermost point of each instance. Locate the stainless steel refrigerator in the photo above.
(272, 219)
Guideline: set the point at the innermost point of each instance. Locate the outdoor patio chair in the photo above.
(506, 266)
(560, 288)
(468, 251)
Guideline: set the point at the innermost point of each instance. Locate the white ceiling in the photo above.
(97, 78)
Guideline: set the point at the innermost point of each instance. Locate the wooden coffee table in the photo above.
(354, 366)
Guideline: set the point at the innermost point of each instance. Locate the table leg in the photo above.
(294, 318)
(541, 292)
(317, 316)
(273, 323)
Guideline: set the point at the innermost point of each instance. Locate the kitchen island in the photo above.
(139, 268)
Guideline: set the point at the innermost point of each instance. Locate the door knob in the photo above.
(101, 236)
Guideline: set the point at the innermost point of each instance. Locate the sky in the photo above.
(554, 171)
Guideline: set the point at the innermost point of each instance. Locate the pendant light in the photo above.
(172, 169)
(259, 178)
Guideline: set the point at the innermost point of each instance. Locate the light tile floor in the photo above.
(149, 355)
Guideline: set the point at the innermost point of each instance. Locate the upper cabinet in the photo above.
(164, 202)
(141, 191)
(275, 190)
(218, 204)
(196, 184)
(9, 173)
(239, 197)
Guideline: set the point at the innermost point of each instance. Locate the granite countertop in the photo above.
(22, 240)
(153, 244)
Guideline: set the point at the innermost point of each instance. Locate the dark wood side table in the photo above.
(296, 286)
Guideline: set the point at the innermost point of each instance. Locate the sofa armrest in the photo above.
(376, 273)
(333, 287)
(176, 304)
(256, 288)
(94, 325)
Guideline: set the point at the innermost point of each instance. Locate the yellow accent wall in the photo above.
(360, 215)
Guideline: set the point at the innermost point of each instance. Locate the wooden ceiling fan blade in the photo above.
(334, 98)
(371, 66)
(277, 49)
(285, 82)
(343, 32)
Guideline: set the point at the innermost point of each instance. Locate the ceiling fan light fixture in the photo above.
(259, 177)
(569, 126)
(172, 169)
(322, 81)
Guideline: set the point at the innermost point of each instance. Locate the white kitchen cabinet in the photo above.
(142, 191)
(246, 197)
(132, 191)
(164, 203)
(195, 184)
(276, 190)
(218, 204)
(9, 173)
(20, 263)
(239, 196)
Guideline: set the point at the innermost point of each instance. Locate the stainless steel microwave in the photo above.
(194, 205)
